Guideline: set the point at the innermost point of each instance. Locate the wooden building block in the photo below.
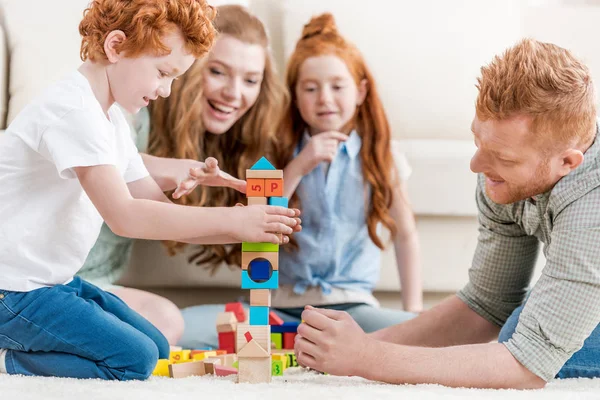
(262, 335)
(288, 340)
(272, 283)
(180, 356)
(264, 174)
(280, 357)
(257, 201)
(273, 188)
(209, 364)
(228, 360)
(238, 309)
(274, 319)
(227, 341)
(248, 256)
(259, 315)
(255, 188)
(276, 341)
(175, 348)
(262, 165)
(162, 367)
(253, 349)
(221, 370)
(254, 370)
(260, 297)
(261, 246)
(276, 368)
(279, 201)
(192, 368)
(226, 322)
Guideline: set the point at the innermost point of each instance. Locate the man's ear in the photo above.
(363, 89)
(571, 159)
(112, 44)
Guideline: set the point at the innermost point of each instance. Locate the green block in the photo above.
(256, 247)
(277, 340)
(235, 365)
(276, 368)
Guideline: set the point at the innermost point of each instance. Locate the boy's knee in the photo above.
(140, 359)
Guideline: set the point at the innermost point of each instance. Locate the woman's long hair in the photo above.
(177, 130)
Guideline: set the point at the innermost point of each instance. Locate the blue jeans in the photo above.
(200, 321)
(585, 363)
(79, 331)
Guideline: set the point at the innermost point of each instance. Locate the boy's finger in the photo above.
(211, 162)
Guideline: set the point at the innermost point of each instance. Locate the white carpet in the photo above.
(295, 384)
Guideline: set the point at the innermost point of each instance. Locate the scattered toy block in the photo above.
(280, 357)
(277, 341)
(259, 315)
(226, 322)
(221, 370)
(252, 349)
(238, 309)
(272, 283)
(262, 335)
(227, 342)
(289, 326)
(257, 201)
(273, 187)
(271, 257)
(180, 356)
(264, 174)
(192, 368)
(288, 340)
(260, 297)
(260, 247)
(277, 368)
(204, 355)
(255, 188)
(254, 370)
(209, 365)
(262, 164)
(274, 319)
(278, 201)
(162, 367)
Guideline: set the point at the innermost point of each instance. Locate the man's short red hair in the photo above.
(144, 22)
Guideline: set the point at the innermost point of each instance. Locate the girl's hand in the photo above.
(320, 147)
(208, 174)
(264, 223)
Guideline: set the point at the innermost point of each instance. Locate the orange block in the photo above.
(273, 187)
(256, 188)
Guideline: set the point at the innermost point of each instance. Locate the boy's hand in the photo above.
(331, 341)
(208, 174)
(263, 223)
(320, 147)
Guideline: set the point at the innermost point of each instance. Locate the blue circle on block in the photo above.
(260, 270)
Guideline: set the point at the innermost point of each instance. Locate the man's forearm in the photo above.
(488, 365)
(443, 325)
(409, 270)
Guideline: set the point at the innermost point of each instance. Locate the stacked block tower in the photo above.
(260, 274)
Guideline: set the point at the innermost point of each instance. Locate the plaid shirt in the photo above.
(563, 307)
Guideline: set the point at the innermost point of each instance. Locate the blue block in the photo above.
(259, 270)
(287, 327)
(263, 164)
(278, 201)
(259, 315)
(272, 283)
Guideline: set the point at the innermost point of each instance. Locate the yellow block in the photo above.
(162, 367)
(205, 355)
(280, 357)
(180, 356)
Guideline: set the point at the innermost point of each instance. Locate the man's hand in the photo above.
(208, 174)
(331, 341)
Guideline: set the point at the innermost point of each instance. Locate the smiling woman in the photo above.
(226, 106)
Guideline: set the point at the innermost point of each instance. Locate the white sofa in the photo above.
(425, 54)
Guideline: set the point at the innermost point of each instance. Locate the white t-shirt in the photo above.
(47, 222)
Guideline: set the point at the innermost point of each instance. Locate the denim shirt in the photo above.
(335, 247)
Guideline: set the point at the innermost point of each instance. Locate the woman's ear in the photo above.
(112, 43)
(363, 89)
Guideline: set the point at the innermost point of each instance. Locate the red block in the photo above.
(288, 340)
(226, 340)
(221, 370)
(248, 336)
(237, 309)
(274, 319)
